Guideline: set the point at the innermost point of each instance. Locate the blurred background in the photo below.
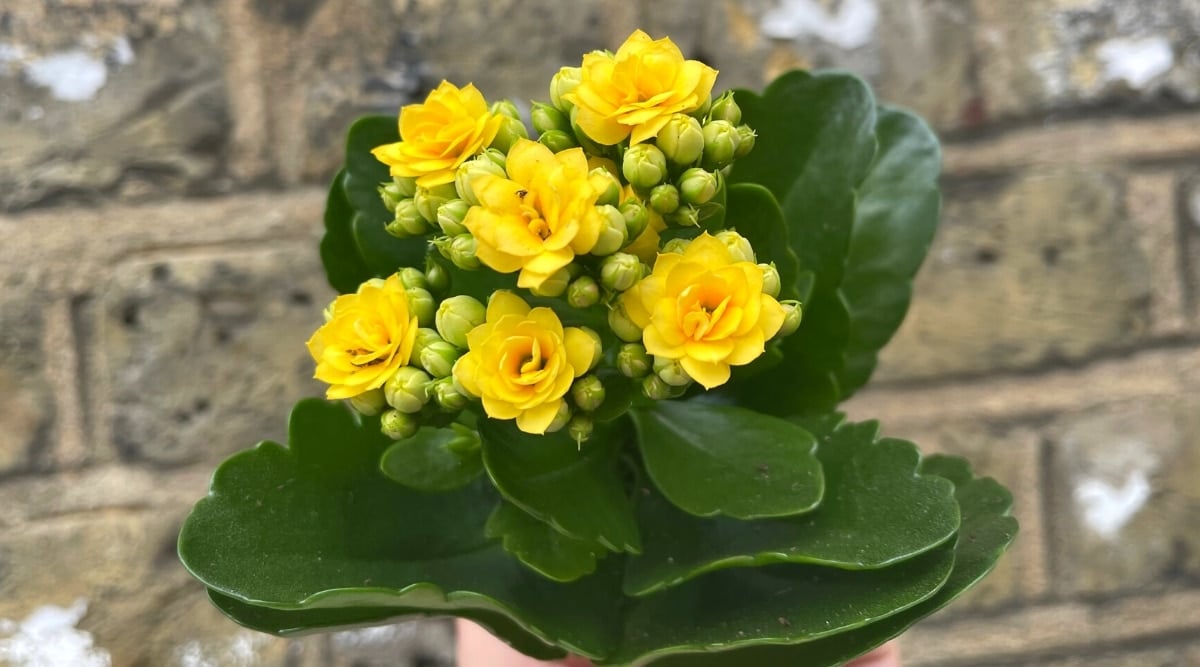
(162, 175)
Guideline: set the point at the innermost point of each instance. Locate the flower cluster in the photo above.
(603, 209)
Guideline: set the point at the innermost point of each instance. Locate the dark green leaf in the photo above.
(364, 173)
(435, 459)
(577, 490)
(344, 266)
(540, 547)
(712, 459)
(755, 214)
(866, 481)
(383, 253)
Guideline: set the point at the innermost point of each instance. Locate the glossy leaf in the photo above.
(537, 545)
(577, 490)
(344, 266)
(710, 459)
(866, 481)
(435, 459)
(755, 214)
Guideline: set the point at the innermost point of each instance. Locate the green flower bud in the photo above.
(726, 109)
(632, 360)
(369, 403)
(644, 165)
(468, 171)
(407, 390)
(607, 185)
(681, 139)
(438, 358)
(637, 216)
(671, 372)
(619, 271)
(583, 292)
(462, 252)
(698, 186)
(407, 220)
(511, 129)
(613, 235)
(390, 194)
(397, 425)
(746, 139)
(429, 199)
(560, 418)
(588, 392)
(555, 285)
(791, 318)
(405, 186)
(676, 245)
(457, 316)
(622, 326)
(720, 144)
(580, 429)
(437, 277)
(557, 140)
(562, 83)
(425, 336)
(664, 198)
(654, 388)
(506, 108)
(684, 216)
(771, 283)
(703, 109)
(739, 248)
(450, 216)
(421, 305)
(447, 396)
(410, 278)
(546, 118)
(496, 157)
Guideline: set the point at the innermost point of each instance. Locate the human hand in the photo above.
(478, 648)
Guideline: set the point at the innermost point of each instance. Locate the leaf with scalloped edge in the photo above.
(434, 460)
(540, 547)
(867, 479)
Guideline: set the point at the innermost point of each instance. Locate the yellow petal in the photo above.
(547, 320)
(537, 420)
(526, 158)
(747, 348)
(581, 350)
(709, 375)
(499, 409)
(504, 302)
(465, 370)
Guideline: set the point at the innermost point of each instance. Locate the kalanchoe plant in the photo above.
(591, 377)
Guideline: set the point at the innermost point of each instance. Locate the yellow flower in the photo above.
(369, 335)
(450, 127)
(540, 217)
(705, 309)
(637, 90)
(521, 362)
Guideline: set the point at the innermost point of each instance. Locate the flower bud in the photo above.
(557, 140)
(560, 418)
(391, 195)
(622, 326)
(619, 271)
(654, 388)
(739, 247)
(405, 186)
(771, 282)
(676, 245)
(555, 285)
(410, 278)
(697, 186)
(438, 358)
(397, 425)
(369, 403)
(583, 292)
(684, 216)
(726, 109)
(546, 118)
(421, 305)
(462, 252)
(498, 158)
(407, 390)
(644, 166)
(681, 139)
(637, 216)
(702, 110)
(447, 396)
(457, 316)
(632, 360)
(468, 171)
(671, 372)
(791, 318)
(664, 198)
(507, 109)
(580, 428)
(511, 129)
(561, 84)
(450, 216)
(606, 183)
(425, 336)
(720, 143)
(746, 139)
(613, 235)
(588, 392)
(436, 276)
(429, 199)
(407, 220)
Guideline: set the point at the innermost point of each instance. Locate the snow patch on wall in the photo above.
(1136, 61)
(851, 26)
(48, 638)
(240, 650)
(71, 76)
(1107, 508)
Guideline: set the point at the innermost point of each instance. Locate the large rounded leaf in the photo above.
(344, 266)
(434, 459)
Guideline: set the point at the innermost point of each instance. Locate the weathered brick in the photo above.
(1151, 200)
(27, 395)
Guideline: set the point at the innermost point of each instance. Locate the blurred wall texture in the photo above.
(162, 165)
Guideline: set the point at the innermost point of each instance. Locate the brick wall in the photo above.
(161, 173)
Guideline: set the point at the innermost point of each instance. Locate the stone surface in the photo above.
(27, 404)
(1040, 268)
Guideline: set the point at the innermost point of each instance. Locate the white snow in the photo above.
(1107, 508)
(48, 638)
(1136, 61)
(850, 27)
(71, 76)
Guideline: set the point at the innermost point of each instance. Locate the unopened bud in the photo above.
(425, 336)
(622, 326)
(654, 388)
(546, 118)
(506, 108)
(588, 392)
(746, 138)
(580, 428)
(726, 109)
(390, 194)
(407, 390)
(681, 139)
(461, 252)
(438, 358)
(447, 396)
(437, 277)
(410, 278)
(791, 318)
(560, 418)
(632, 360)
(398, 425)
(664, 198)
(702, 110)
(405, 186)
(613, 232)
(557, 140)
(406, 220)
(605, 183)
(457, 316)
(720, 143)
(555, 285)
(637, 216)
(644, 166)
(563, 83)
(511, 129)
(583, 292)
(619, 271)
(684, 216)
(467, 172)
(369, 403)
(450, 216)
(421, 305)
(698, 186)
(676, 245)
(428, 200)
(770, 279)
(671, 372)
(739, 247)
